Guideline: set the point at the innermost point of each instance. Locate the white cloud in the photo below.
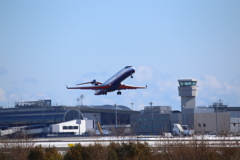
(210, 81)
(2, 95)
(13, 96)
(167, 85)
(232, 89)
(143, 73)
(212, 89)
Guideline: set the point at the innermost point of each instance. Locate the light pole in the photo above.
(80, 98)
(238, 123)
(42, 104)
(217, 119)
(152, 115)
(116, 115)
(132, 105)
(218, 104)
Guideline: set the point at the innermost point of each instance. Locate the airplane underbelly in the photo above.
(99, 92)
(104, 91)
(113, 88)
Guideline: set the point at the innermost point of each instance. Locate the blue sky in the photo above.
(45, 45)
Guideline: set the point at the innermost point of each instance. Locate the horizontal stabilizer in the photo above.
(94, 82)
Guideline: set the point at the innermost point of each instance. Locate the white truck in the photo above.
(187, 131)
(179, 130)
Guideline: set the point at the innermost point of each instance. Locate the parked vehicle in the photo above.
(181, 130)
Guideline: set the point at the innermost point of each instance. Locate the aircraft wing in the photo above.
(123, 86)
(91, 87)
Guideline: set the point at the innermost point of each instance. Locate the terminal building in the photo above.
(41, 114)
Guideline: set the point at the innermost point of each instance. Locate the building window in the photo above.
(199, 125)
(75, 127)
(69, 127)
(204, 125)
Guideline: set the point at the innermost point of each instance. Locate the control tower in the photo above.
(187, 90)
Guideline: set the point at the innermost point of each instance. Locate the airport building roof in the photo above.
(111, 107)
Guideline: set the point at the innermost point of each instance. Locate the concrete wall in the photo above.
(235, 125)
(188, 102)
(206, 123)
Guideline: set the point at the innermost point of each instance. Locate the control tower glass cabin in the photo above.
(187, 90)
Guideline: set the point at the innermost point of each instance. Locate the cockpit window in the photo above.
(128, 66)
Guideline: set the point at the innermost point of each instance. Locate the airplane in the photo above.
(112, 84)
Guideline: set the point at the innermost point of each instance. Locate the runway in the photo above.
(63, 143)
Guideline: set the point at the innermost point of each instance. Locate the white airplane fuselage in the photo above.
(115, 81)
(112, 84)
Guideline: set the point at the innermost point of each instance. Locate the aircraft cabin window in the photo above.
(128, 66)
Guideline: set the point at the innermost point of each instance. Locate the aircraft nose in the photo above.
(133, 69)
